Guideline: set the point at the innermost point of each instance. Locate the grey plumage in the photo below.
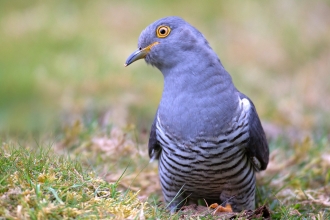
(206, 134)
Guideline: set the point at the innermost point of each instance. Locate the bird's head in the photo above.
(168, 42)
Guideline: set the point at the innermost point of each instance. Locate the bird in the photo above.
(206, 134)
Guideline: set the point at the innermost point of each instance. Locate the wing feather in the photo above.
(154, 147)
(257, 145)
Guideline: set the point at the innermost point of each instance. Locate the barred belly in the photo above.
(215, 169)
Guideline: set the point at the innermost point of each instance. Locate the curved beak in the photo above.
(139, 54)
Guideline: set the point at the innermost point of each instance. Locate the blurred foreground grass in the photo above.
(63, 87)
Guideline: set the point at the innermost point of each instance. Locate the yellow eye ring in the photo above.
(163, 31)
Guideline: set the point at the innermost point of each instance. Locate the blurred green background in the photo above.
(64, 60)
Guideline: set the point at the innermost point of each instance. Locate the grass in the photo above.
(38, 184)
(299, 186)
(105, 174)
(74, 122)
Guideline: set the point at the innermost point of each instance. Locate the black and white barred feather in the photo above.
(218, 168)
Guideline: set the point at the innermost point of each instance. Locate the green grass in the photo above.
(74, 122)
(38, 184)
(106, 174)
(297, 182)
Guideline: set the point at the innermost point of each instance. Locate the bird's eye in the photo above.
(163, 31)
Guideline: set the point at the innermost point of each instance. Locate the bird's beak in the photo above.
(139, 54)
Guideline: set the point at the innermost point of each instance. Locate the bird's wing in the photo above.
(154, 147)
(257, 146)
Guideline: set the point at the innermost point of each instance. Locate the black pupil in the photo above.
(163, 31)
